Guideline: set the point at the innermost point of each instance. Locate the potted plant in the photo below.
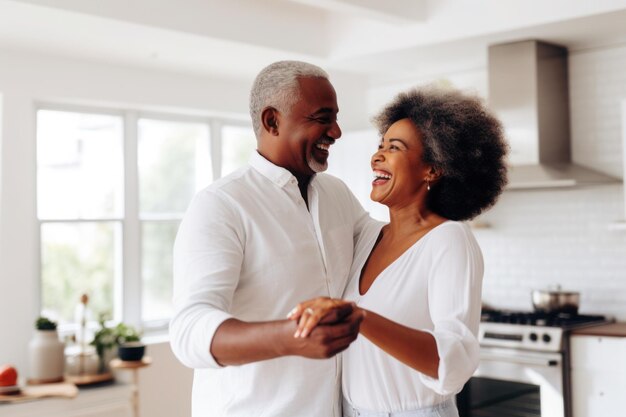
(104, 340)
(123, 340)
(46, 353)
(129, 343)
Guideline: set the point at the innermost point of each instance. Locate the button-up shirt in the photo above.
(249, 248)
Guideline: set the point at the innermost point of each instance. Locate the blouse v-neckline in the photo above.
(395, 261)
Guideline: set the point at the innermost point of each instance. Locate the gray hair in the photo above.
(277, 86)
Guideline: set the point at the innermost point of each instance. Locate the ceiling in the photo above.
(380, 40)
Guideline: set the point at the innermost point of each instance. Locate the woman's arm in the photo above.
(414, 348)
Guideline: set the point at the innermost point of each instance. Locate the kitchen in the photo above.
(532, 238)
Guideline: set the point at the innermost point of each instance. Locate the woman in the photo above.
(418, 279)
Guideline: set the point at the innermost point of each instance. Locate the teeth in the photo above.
(322, 146)
(381, 175)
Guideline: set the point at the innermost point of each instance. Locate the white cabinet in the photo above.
(110, 401)
(598, 375)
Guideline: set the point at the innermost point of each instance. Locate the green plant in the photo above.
(125, 333)
(43, 323)
(103, 340)
(110, 337)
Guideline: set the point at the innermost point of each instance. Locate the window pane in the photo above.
(174, 163)
(79, 165)
(238, 143)
(156, 266)
(78, 258)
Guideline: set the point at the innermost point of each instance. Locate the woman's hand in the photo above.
(319, 310)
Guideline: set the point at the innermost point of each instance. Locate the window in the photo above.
(112, 190)
(80, 207)
(237, 145)
(174, 163)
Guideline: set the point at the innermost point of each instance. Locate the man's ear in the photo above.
(269, 119)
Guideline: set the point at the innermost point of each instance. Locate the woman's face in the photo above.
(399, 172)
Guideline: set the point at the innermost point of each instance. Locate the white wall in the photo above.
(1, 137)
(164, 386)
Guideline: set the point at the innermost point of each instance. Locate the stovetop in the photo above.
(562, 320)
(531, 330)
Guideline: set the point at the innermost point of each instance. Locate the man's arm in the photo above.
(237, 342)
(208, 256)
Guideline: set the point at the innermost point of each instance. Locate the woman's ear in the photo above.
(269, 119)
(434, 174)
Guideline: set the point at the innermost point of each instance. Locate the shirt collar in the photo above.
(278, 175)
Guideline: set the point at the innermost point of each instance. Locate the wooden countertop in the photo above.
(609, 330)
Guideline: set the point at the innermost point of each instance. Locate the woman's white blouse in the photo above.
(435, 286)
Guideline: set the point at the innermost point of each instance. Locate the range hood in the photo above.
(528, 90)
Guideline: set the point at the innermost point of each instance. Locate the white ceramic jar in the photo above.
(46, 357)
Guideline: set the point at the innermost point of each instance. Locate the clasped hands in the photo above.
(324, 310)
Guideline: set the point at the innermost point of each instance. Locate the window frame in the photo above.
(128, 295)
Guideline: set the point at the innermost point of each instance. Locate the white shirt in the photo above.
(248, 248)
(435, 286)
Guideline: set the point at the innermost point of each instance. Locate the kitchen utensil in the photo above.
(555, 301)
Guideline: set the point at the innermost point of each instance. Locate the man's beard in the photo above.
(317, 166)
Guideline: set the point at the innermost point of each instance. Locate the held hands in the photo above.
(323, 310)
(325, 327)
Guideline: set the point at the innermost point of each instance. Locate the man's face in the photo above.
(310, 128)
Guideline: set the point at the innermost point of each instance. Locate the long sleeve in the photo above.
(208, 255)
(454, 299)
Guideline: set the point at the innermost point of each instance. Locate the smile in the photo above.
(381, 177)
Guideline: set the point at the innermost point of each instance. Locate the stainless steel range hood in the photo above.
(528, 90)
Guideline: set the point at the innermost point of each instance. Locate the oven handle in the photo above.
(520, 359)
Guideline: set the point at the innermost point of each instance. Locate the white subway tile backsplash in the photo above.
(541, 238)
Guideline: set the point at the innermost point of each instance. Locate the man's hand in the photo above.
(327, 339)
(333, 326)
(321, 310)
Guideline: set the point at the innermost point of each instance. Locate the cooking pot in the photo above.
(556, 301)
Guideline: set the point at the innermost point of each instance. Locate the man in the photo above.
(254, 244)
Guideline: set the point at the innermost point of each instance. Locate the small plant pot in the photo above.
(131, 351)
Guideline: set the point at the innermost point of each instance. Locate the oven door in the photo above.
(512, 382)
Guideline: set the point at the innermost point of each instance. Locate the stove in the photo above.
(533, 331)
(524, 364)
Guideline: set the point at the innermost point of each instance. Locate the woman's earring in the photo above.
(427, 185)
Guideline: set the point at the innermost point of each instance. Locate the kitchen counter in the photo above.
(105, 401)
(606, 330)
(598, 370)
